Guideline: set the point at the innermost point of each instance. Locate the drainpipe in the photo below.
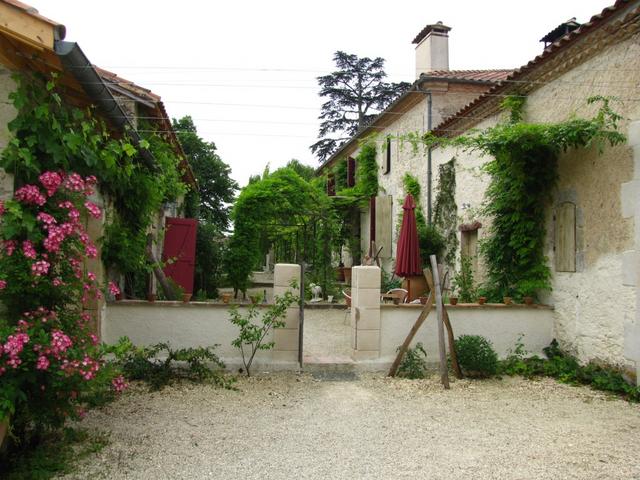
(429, 166)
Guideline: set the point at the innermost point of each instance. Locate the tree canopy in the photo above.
(215, 186)
(356, 92)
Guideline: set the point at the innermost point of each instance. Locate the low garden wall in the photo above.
(501, 324)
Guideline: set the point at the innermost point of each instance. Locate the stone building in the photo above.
(31, 43)
(436, 94)
(596, 200)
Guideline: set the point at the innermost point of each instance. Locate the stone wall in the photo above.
(7, 113)
(594, 307)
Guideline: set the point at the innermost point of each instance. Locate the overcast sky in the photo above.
(245, 70)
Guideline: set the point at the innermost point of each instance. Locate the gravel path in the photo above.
(290, 426)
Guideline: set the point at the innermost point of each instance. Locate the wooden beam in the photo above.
(26, 28)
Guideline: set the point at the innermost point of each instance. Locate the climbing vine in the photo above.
(522, 174)
(445, 216)
(430, 240)
(49, 134)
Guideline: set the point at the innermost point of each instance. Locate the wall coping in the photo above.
(178, 304)
(464, 306)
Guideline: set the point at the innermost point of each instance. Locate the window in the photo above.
(564, 246)
(387, 163)
(351, 172)
(331, 185)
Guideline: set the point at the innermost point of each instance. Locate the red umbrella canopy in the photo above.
(408, 252)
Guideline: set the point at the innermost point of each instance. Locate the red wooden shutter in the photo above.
(331, 185)
(351, 172)
(180, 248)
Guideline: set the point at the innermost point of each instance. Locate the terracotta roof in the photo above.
(127, 85)
(549, 52)
(488, 77)
(473, 75)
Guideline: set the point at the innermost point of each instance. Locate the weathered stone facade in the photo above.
(595, 306)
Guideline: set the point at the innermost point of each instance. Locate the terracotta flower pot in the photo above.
(482, 300)
(528, 300)
(151, 297)
(254, 298)
(507, 300)
(347, 275)
(186, 297)
(453, 300)
(118, 297)
(423, 300)
(226, 297)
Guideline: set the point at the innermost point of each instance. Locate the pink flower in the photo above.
(74, 215)
(119, 384)
(50, 181)
(60, 342)
(41, 267)
(91, 251)
(30, 194)
(114, 289)
(57, 282)
(42, 363)
(3, 285)
(93, 209)
(9, 247)
(47, 219)
(74, 182)
(2, 208)
(91, 276)
(28, 250)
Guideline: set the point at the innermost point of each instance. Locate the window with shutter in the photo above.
(384, 224)
(565, 237)
(351, 172)
(331, 185)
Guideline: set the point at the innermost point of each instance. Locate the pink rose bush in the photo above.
(49, 357)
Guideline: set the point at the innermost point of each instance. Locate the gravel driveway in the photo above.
(288, 426)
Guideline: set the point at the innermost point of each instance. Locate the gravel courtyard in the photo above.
(299, 426)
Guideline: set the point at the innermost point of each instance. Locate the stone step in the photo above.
(327, 363)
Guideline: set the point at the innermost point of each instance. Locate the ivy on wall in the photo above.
(49, 134)
(445, 215)
(522, 174)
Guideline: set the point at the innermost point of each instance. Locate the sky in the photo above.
(246, 71)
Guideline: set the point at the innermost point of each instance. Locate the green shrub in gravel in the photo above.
(566, 368)
(159, 364)
(476, 356)
(414, 363)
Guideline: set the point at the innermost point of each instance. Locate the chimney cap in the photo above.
(560, 31)
(437, 27)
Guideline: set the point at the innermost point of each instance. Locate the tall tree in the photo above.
(209, 203)
(356, 92)
(215, 186)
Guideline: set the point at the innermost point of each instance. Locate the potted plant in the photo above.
(453, 297)
(482, 300)
(528, 289)
(151, 297)
(424, 297)
(226, 297)
(186, 297)
(507, 300)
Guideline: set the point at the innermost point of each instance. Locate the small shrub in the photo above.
(476, 356)
(251, 336)
(463, 281)
(156, 364)
(414, 364)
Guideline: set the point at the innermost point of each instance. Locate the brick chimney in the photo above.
(432, 48)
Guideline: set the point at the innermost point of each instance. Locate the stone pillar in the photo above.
(365, 313)
(286, 338)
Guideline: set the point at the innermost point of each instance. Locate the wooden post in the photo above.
(452, 348)
(407, 341)
(444, 374)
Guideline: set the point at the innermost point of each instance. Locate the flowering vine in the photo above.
(48, 354)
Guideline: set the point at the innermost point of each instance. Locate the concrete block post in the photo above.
(365, 313)
(286, 338)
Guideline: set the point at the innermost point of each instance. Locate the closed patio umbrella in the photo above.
(408, 262)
